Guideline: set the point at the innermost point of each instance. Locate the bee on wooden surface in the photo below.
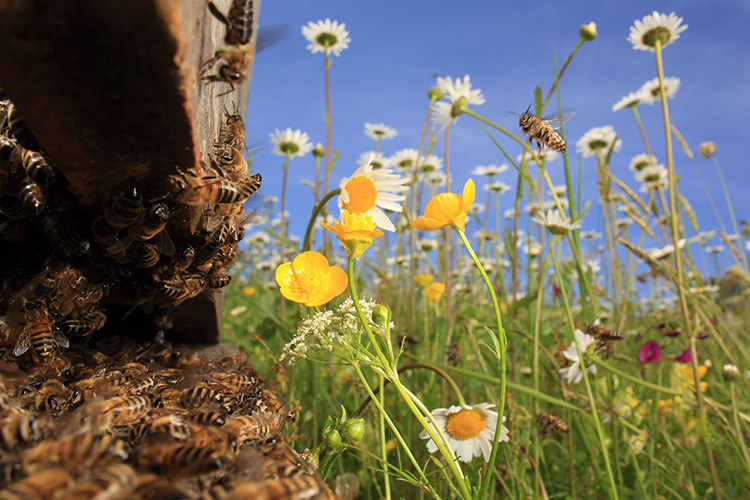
(43, 485)
(125, 210)
(192, 189)
(179, 460)
(181, 288)
(549, 422)
(231, 162)
(76, 452)
(543, 130)
(153, 227)
(233, 131)
(128, 409)
(604, 335)
(39, 333)
(106, 483)
(238, 55)
(22, 427)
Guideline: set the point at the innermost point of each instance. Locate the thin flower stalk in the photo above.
(737, 428)
(386, 367)
(672, 181)
(587, 383)
(731, 210)
(328, 164)
(500, 353)
(307, 241)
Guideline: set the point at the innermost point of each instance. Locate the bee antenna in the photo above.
(527, 109)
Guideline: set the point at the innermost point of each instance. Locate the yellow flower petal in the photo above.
(355, 231)
(434, 291)
(423, 279)
(447, 209)
(309, 280)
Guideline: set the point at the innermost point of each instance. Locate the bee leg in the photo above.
(217, 14)
(231, 88)
(207, 66)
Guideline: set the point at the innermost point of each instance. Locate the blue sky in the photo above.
(508, 49)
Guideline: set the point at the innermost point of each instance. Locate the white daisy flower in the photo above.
(379, 131)
(430, 163)
(661, 27)
(236, 311)
(428, 244)
(469, 430)
(557, 223)
(437, 178)
(497, 187)
(598, 138)
(652, 176)
(631, 99)
(641, 161)
(454, 90)
(715, 249)
(650, 90)
(291, 142)
(369, 191)
(560, 189)
(573, 373)
(441, 114)
(591, 235)
(509, 213)
(489, 170)
(377, 159)
(731, 372)
(404, 158)
(326, 36)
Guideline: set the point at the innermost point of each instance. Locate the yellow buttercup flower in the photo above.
(249, 291)
(310, 280)
(434, 291)
(355, 232)
(446, 209)
(423, 279)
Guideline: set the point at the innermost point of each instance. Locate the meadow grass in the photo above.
(448, 300)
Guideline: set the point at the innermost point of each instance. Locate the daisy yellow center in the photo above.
(465, 424)
(288, 147)
(598, 144)
(641, 165)
(660, 33)
(362, 195)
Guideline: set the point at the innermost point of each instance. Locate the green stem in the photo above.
(737, 428)
(383, 443)
(500, 351)
(313, 217)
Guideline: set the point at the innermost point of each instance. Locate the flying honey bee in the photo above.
(550, 422)
(543, 130)
(604, 335)
(190, 188)
(237, 55)
(42, 485)
(38, 332)
(22, 427)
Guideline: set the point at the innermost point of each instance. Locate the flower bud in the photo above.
(318, 151)
(380, 315)
(707, 149)
(588, 31)
(333, 439)
(731, 372)
(435, 94)
(353, 430)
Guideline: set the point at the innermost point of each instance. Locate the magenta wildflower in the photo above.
(650, 352)
(685, 357)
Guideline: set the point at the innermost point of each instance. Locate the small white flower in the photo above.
(236, 311)
(557, 223)
(591, 235)
(379, 131)
(598, 138)
(454, 90)
(326, 36)
(428, 244)
(573, 373)
(374, 158)
(631, 99)
(469, 430)
(509, 213)
(653, 175)
(489, 170)
(441, 114)
(291, 142)
(404, 158)
(650, 90)
(641, 161)
(731, 372)
(430, 163)
(497, 187)
(664, 28)
(436, 178)
(715, 249)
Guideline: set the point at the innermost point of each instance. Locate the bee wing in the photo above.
(555, 121)
(60, 338)
(22, 344)
(165, 243)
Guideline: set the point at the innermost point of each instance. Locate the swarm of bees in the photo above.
(67, 266)
(605, 338)
(124, 420)
(548, 423)
(237, 54)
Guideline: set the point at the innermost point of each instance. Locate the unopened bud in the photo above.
(380, 315)
(333, 439)
(588, 31)
(435, 94)
(731, 372)
(318, 151)
(353, 430)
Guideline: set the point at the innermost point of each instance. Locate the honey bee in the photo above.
(53, 397)
(549, 422)
(146, 256)
(125, 210)
(286, 488)
(217, 280)
(181, 288)
(11, 207)
(206, 416)
(244, 428)
(76, 452)
(231, 161)
(43, 485)
(102, 484)
(179, 460)
(20, 131)
(604, 335)
(39, 333)
(153, 227)
(37, 167)
(238, 55)
(31, 196)
(85, 321)
(8, 147)
(190, 188)
(233, 131)
(201, 395)
(21, 427)
(543, 130)
(128, 409)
